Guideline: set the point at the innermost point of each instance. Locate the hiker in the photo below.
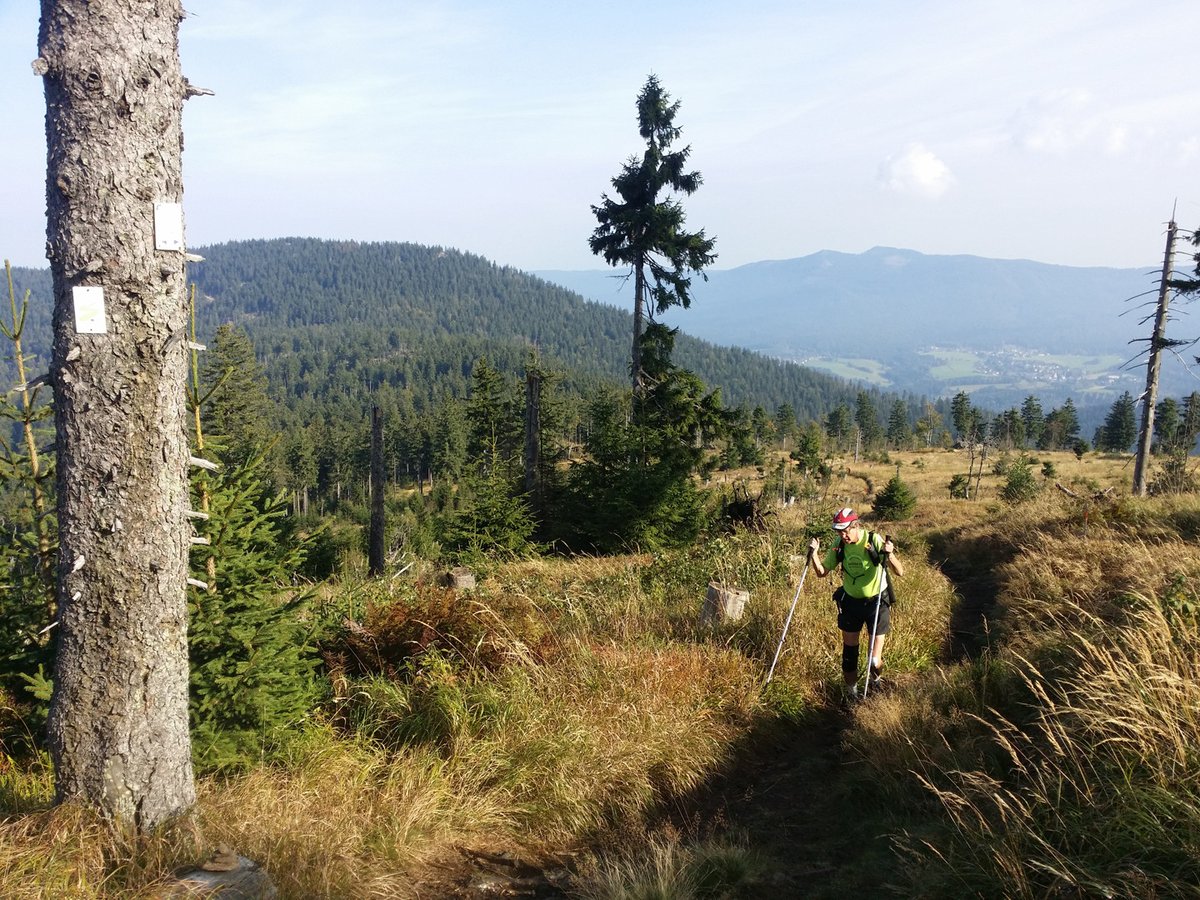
(860, 553)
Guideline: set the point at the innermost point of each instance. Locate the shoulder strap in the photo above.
(872, 551)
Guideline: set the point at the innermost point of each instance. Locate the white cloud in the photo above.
(917, 171)
(1118, 140)
(1056, 122)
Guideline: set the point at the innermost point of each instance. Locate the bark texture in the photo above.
(114, 99)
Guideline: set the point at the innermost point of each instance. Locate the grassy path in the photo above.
(789, 795)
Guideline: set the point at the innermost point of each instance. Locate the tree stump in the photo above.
(226, 875)
(460, 579)
(723, 604)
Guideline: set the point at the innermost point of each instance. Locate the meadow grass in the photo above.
(564, 700)
(1063, 759)
(666, 869)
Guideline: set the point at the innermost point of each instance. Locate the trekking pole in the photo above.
(799, 587)
(875, 625)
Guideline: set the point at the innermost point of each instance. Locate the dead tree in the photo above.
(118, 729)
(533, 437)
(376, 560)
(1157, 343)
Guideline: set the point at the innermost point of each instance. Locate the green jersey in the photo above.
(861, 577)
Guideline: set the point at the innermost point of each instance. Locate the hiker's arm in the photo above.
(814, 547)
(893, 563)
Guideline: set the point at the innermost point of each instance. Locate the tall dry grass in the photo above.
(1064, 758)
(1098, 793)
(540, 756)
(589, 692)
(665, 869)
(601, 697)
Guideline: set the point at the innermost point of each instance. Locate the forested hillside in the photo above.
(341, 327)
(336, 320)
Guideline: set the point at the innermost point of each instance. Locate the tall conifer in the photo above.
(642, 227)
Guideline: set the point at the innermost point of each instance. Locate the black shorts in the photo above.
(855, 614)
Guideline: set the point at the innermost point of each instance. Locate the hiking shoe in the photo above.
(876, 678)
(850, 693)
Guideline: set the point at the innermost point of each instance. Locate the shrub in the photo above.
(896, 501)
(1020, 485)
(960, 487)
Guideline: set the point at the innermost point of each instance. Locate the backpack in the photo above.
(871, 551)
(889, 593)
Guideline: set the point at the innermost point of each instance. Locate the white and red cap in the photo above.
(843, 518)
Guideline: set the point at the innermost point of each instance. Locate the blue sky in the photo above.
(1062, 132)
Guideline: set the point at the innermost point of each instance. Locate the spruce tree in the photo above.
(1008, 429)
(899, 435)
(1119, 430)
(1033, 418)
(643, 227)
(236, 410)
(1061, 430)
(1019, 483)
(1167, 426)
(808, 454)
(448, 450)
(839, 425)
(896, 501)
(492, 514)
(252, 660)
(968, 420)
(785, 423)
(636, 486)
(743, 446)
(867, 420)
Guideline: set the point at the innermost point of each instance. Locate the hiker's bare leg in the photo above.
(850, 657)
(877, 651)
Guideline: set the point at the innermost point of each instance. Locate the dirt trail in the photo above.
(784, 794)
(789, 792)
(790, 795)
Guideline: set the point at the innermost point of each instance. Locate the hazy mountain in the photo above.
(803, 306)
(1029, 326)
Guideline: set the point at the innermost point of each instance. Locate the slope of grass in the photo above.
(565, 701)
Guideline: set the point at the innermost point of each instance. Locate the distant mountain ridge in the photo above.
(797, 307)
(357, 315)
(893, 309)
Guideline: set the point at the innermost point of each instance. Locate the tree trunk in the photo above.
(376, 544)
(533, 438)
(1141, 463)
(639, 291)
(118, 727)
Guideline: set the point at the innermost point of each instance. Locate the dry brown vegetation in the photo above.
(556, 706)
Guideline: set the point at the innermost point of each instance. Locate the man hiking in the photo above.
(861, 554)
